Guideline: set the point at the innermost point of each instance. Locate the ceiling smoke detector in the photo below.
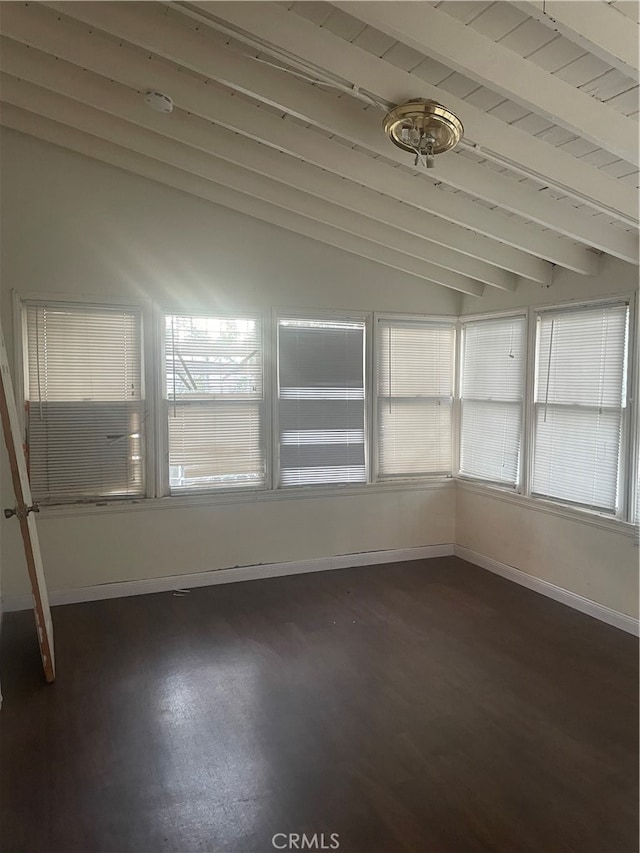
(424, 127)
(158, 102)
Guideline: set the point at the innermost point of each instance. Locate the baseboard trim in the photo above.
(557, 593)
(121, 589)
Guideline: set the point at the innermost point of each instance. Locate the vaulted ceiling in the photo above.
(278, 112)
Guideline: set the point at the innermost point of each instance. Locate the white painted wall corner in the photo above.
(557, 593)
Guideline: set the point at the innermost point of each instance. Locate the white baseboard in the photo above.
(367, 558)
(558, 593)
(239, 573)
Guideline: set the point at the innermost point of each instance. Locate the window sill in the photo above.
(584, 516)
(248, 496)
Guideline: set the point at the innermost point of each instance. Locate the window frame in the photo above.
(162, 409)
(156, 444)
(623, 520)
(425, 319)
(520, 486)
(632, 490)
(144, 310)
(622, 512)
(319, 315)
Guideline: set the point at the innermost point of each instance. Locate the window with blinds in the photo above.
(215, 402)
(85, 409)
(580, 403)
(321, 400)
(491, 398)
(415, 374)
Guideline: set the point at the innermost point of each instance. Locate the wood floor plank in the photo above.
(426, 706)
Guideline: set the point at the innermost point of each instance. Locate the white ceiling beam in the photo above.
(194, 131)
(438, 35)
(597, 27)
(130, 68)
(517, 148)
(344, 117)
(448, 245)
(84, 118)
(124, 158)
(239, 115)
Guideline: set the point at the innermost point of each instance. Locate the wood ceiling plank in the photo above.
(626, 102)
(233, 113)
(439, 242)
(498, 190)
(343, 25)
(629, 8)
(463, 10)
(276, 176)
(556, 54)
(582, 70)
(348, 62)
(401, 56)
(373, 41)
(527, 38)
(317, 13)
(498, 20)
(496, 66)
(608, 86)
(595, 27)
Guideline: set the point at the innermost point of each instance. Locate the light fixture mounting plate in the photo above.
(427, 118)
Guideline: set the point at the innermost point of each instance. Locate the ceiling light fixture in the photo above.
(424, 127)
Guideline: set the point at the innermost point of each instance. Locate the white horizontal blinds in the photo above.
(214, 387)
(321, 402)
(492, 389)
(85, 415)
(415, 370)
(579, 404)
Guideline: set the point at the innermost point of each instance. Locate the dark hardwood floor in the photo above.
(426, 706)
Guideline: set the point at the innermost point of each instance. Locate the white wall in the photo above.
(72, 225)
(598, 564)
(75, 226)
(614, 277)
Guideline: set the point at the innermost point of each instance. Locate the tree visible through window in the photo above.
(215, 409)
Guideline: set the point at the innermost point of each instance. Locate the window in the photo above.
(214, 399)
(580, 404)
(321, 398)
(491, 398)
(84, 393)
(415, 369)
(86, 423)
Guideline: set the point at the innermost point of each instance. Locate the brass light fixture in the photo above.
(424, 127)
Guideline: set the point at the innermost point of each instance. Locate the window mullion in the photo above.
(528, 410)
